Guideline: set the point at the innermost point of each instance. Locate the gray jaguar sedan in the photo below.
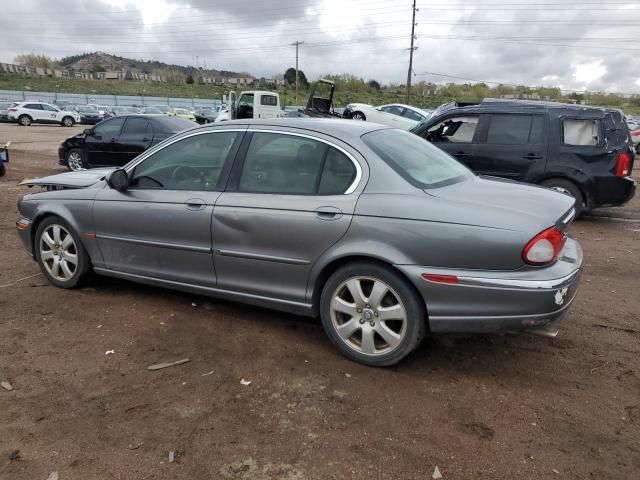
(381, 234)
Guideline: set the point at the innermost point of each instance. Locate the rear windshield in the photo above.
(176, 124)
(419, 162)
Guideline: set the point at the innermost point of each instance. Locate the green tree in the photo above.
(35, 60)
(189, 79)
(374, 85)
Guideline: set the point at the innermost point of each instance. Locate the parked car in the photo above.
(163, 108)
(393, 114)
(205, 115)
(4, 111)
(115, 141)
(150, 111)
(475, 254)
(26, 113)
(182, 113)
(584, 152)
(61, 104)
(635, 139)
(4, 158)
(293, 111)
(119, 110)
(88, 114)
(102, 109)
(252, 104)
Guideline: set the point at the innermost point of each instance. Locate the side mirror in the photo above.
(87, 131)
(118, 180)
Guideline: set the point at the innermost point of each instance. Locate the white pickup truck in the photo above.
(252, 104)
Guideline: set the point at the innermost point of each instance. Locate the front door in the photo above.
(160, 227)
(290, 198)
(456, 135)
(100, 143)
(135, 138)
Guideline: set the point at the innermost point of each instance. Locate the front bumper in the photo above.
(23, 226)
(90, 120)
(62, 156)
(491, 301)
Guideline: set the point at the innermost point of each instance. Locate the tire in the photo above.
(51, 249)
(3, 169)
(67, 122)
(638, 148)
(359, 116)
(355, 325)
(75, 160)
(25, 120)
(568, 188)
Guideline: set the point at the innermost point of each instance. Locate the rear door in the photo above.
(35, 111)
(101, 142)
(135, 138)
(512, 145)
(458, 135)
(291, 196)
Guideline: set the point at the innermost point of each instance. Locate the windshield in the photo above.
(419, 162)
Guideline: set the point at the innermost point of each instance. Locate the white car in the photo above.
(102, 109)
(26, 113)
(394, 114)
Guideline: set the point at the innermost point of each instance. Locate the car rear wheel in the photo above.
(75, 160)
(3, 169)
(372, 314)
(568, 188)
(358, 116)
(68, 122)
(25, 120)
(60, 254)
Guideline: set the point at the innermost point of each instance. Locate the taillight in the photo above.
(544, 248)
(623, 167)
(13, 109)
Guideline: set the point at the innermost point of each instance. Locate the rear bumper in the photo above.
(491, 301)
(611, 191)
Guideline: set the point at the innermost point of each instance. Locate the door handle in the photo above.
(532, 156)
(462, 155)
(328, 213)
(145, 139)
(195, 204)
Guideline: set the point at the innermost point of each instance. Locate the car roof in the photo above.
(339, 128)
(490, 104)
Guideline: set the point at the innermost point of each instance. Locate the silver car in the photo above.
(379, 233)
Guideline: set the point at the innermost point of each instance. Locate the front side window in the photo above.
(110, 128)
(288, 164)
(49, 108)
(580, 132)
(453, 130)
(193, 163)
(420, 163)
(515, 129)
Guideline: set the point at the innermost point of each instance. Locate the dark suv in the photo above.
(583, 151)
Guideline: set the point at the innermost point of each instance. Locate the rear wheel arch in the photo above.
(565, 178)
(333, 266)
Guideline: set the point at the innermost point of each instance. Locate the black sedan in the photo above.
(115, 141)
(205, 115)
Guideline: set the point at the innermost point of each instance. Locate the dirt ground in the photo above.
(478, 407)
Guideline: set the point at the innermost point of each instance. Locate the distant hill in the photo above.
(102, 62)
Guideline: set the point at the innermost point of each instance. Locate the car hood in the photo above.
(81, 179)
(507, 203)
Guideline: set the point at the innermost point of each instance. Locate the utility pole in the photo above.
(296, 44)
(411, 50)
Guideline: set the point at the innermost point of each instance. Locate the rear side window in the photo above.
(138, 127)
(269, 100)
(581, 132)
(412, 115)
(515, 129)
(288, 164)
(33, 106)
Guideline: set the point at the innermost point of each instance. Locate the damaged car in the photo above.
(380, 234)
(581, 151)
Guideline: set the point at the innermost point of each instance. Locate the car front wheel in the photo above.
(372, 314)
(75, 160)
(60, 254)
(67, 122)
(358, 116)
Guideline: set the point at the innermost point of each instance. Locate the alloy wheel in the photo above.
(358, 116)
(368, 315)
(75, 161)
(58, 252)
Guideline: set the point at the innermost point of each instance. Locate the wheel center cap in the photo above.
(367, 315)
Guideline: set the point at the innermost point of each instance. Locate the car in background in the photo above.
(26, 113)
(102, 109)
(4, 110)
(150, 111)
(61, 104)
(393, 115)
(115, 141)
(293, 111)
(304, 216)
(88, 114)
(182, 113)
(163, 108)
(120, 110)
(582, 151)
(635, 139)
(205, 115)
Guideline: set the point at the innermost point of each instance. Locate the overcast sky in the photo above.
(572, 44)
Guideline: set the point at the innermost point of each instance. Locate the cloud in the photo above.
(495, 41)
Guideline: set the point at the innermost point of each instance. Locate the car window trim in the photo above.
(224, 172)
(239, 163)
(601, 132)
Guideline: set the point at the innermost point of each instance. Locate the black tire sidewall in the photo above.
(83, 258)
(20, 120)
(414, 306)
(359, 116)
(70, 125)
(571, 188)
